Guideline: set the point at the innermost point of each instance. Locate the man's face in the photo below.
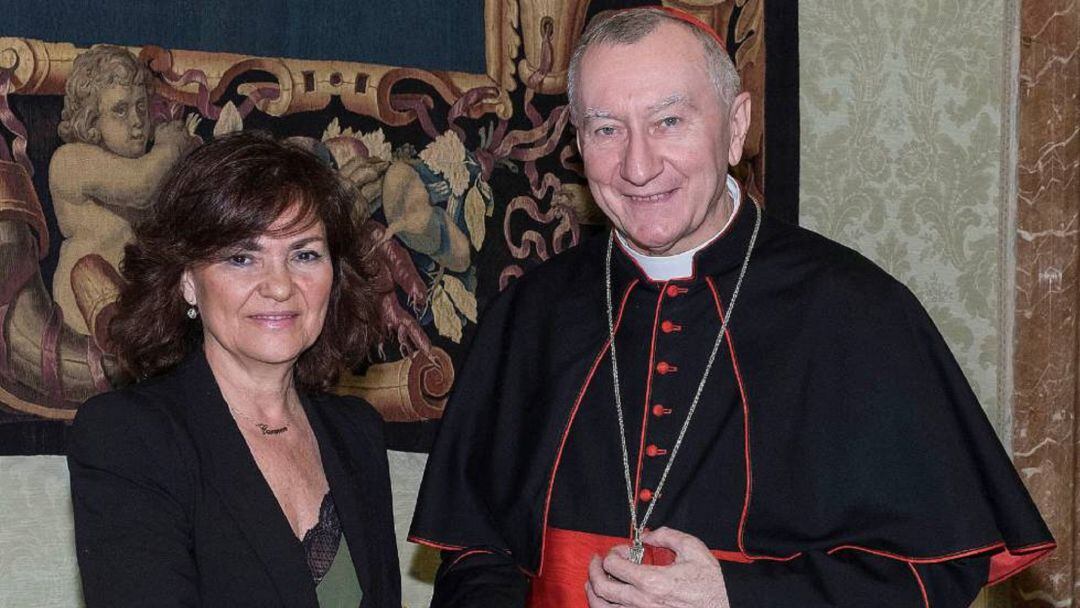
(122, 119)
(657, 141)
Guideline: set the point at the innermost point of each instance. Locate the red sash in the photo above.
(565, 566)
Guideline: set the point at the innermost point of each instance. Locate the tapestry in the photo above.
(464, 181)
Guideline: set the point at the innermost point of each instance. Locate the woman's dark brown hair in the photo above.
(223, 193)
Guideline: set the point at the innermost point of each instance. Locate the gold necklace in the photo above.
(265, 428)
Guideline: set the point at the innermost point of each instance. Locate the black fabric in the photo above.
(171, 509)
(862, 429)
(781, 109)
(853, 580)
(487, 579)
(591, 468)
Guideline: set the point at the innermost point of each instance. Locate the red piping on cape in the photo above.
(433, 544)
(922, 587)
(1007, 563)
(1002, 565)
(746, 436)
(648, 396)
(570, 422)
(443, 547)
(1004, 562)
(465, 554)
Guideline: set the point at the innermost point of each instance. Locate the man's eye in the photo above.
(605, 131)
(240, 259)
(120, 110)
(670, 121)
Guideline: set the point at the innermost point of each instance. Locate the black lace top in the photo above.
(322, 540)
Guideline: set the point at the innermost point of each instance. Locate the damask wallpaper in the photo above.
(35, 508)
(901, 109)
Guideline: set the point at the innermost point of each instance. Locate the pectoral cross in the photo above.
(637, 549)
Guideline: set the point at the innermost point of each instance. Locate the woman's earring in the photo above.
(192, 312)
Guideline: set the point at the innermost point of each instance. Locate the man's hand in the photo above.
(693, 581)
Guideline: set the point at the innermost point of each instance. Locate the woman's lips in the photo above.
(275, 320)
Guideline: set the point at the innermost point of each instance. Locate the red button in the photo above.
(659, 410)
(652, 451)
(645, 495)
(664, 367)
(667, 327)
(672, 291)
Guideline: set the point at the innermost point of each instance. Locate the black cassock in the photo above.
(838, 456)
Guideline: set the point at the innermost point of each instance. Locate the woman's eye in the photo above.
(308, 255)
(240, 259)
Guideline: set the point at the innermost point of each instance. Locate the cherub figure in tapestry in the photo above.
(103, 178)
(433, 204)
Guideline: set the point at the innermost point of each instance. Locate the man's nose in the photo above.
(641, 163)
(277, 283)
(137, 120)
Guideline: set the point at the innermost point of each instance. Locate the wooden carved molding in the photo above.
(42, 68)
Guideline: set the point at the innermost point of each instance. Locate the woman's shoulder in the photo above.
(145, 412)
(128, 406)
(133, 434)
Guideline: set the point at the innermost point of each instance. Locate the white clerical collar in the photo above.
(680, 265)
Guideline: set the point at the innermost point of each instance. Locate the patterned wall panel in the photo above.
(901, 107)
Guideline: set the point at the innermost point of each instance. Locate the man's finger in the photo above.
(625, 570)
(610, 588)
(595, 601)
(622, 551)
(685, 546)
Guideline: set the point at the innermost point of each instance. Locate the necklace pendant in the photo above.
(637, 551)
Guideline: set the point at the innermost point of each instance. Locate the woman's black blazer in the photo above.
(171, 509)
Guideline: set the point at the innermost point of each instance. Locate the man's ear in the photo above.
(738, 127)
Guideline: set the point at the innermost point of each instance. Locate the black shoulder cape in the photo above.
(862, 432)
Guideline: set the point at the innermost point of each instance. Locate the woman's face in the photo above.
(264, 303)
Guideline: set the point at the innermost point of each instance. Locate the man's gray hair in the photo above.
(629, 26)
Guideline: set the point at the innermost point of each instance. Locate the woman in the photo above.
(227, 475)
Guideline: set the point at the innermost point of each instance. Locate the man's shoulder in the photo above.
(822, 265)
(570, 273)
(573, 266)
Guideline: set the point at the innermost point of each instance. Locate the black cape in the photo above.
(839, 419)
